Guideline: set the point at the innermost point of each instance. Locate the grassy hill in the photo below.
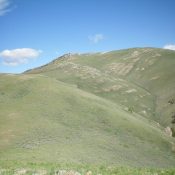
(139, 77)
(102, 109)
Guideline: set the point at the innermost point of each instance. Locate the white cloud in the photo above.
(18, 56)
(4, 7)
(169, 46)
(96, 38)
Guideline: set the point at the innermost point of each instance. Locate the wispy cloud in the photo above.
(18, 56)
(96, 38)
(4, 7)
(169, 46)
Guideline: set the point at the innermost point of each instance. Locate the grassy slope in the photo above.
(142, 78)
(85, 121)
(151, 69)
(44, 119)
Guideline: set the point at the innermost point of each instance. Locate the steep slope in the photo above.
(45, 120)
(140, 78)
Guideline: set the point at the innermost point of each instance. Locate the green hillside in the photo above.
(94, 109)
(140, 77)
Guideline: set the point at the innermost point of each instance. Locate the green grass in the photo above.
(78, 169)
(76, 110)
(149, 71)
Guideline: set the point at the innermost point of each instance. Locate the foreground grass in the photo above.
(72, 169)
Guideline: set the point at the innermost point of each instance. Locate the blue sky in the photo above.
(33, 32)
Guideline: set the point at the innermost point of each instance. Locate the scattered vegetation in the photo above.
(131, 109)
(173, 125)
(173, 118)
(171, 101)
(70, 169)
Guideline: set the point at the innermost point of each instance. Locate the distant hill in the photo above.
(99, 108)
